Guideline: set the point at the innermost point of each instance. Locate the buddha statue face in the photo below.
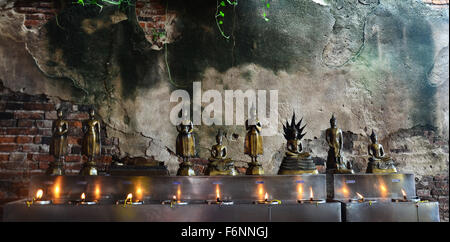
(373, 137)
(333, 122)
(219, 139)
(59, 114)
(92, 113)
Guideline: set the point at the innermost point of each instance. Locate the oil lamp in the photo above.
(361, 199)
(37, 199)
(405, 198)
(174, 201)
(311, 198)
(218, 200)
(129, 201)
(83, 201)
(267, 201)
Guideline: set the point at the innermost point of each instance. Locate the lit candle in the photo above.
(266, 197)
(174, 198)
(217, 193)
(83, 197)
(361, 197)
(404, 194)
(311, 194)
(129, 197)
(39, 194)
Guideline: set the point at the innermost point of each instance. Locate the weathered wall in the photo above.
(379, 65)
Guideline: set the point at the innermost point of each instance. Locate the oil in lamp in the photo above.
(38, 199)
(218, 200)
(311, 198)
(361, 199)
(267, 201)
(405, 198)
(174, 201)
(83, 201)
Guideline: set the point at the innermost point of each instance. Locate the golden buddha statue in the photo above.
(219, 164)
(58, 146)
(91, 144)
(253, 143)
(378, 162)
(335, 162)
(296, 162)
(185, 147)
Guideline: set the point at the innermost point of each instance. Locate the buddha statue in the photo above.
(219, 164)
(378, 161)
(58, 145)
(185, 147)
(253, 143)
(91, 144)
(295, 161)
(335, 162)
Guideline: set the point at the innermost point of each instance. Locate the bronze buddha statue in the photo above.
(335, 161)
(253, 145)
(91, 144)
(185, 147)
(378, 161)
(295, 161)
(219, 164)
(58, 146)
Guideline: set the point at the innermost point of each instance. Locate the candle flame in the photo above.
(129, 196)
(83, 196)
(97, 192)
(311, 194)
(57, 189)
(300, 191)
(39, 194)
(217, 191)
(360, 196)
(345, 191)
(266, 196)
(403, 192)
(383, 188)
(174, 197)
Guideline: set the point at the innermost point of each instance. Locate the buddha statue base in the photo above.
(89, 169)
(254, 168)
(296, 165)
(221, 168)
(55, 169)
(381, 166)
(186, 169)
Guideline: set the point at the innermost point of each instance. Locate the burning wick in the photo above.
(83, 197)
(311, 194)
(129, 197)
(404, 194)
(174, 198)
(361, 197)
(39, 194)
(217, 194)
(266, 197)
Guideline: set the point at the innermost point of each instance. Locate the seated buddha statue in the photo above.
(335, 161)
(296, 161)
(219, 164)
(378, 161)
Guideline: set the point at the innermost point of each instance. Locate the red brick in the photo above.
(28, 115)
(39, 106)
(18, 131)
(30, 148)
(78, 116)
(73, 158)
(42, 157)
(25, 123)
(51, 115)
(7, 139)
(37, 139)
(45, 132)
(24, 139)
(44, 123)
(77, 124)
(8, 123)
(106, 159)
(74, 140)
(8, 148)
(4, 157)
(32, 23)
(17, 156)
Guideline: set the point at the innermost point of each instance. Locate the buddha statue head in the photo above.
(91, 113)
(373, 137)
(333, 121)
(293, 134)
(219, 137)
(59, 113)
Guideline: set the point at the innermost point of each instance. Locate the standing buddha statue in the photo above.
(335, 162)
(58, 146)
(378, 161)
(185, 147)
(253, 145)
(91, 144)
(219, 164)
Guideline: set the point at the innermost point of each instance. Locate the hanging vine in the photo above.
(220, 15)
(100, 3)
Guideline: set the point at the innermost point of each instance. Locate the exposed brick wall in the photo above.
(435, 188)
(25, 136)
(37, 13)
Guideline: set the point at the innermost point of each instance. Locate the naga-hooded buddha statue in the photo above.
(378, 161)
(219, 164)
(296, 162)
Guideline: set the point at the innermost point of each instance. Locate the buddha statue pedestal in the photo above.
(254, 168)
(186, 169)
(89, 169)
(55, 169)
(378, 162)
(138, 166)
(296, 162)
